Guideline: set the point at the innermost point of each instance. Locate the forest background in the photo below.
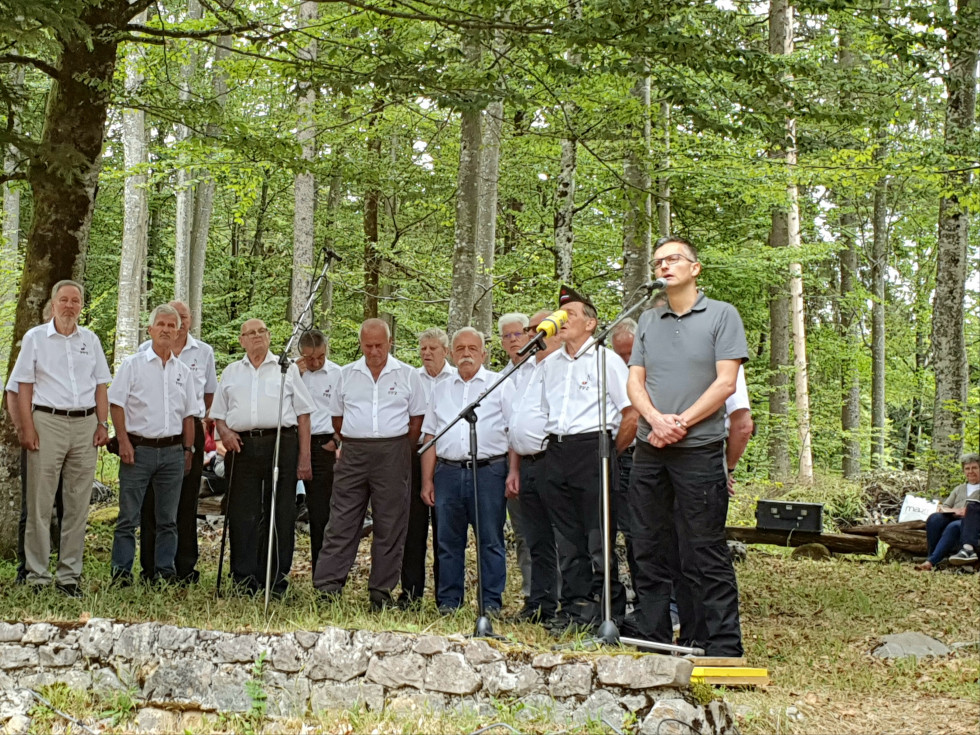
(464, 158)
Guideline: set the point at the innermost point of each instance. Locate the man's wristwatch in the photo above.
(731, 470)
(189, 449)
(104, 425)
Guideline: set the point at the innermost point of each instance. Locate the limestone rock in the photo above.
(287, 655)
(408, 700)
(11, 632)
(644, 672)
(306, 638)
(450, 673)
(151, 719)
(287, 696)
(72, 678)
(909, 644)
(182, 681)
(237, 649)
(400, 670)
(15, 657)
(429, 645)
(481, 652)
(17, 725)
(542, 707)
(634, 702)
(601, 704)
(137, 643)
(96, 638)
(547, 660)
(39, 633)
(570, 680)
(15, 702)
(721, 718)
(659, 720)
(106, 680)
(172, 638)
(228, 691)
(56, 656)
(390, 643)
(738, 551)
(331, 696)
(335, 658)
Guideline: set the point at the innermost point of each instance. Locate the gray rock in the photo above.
(237, 649)
(473, 707)
(407, 700)
(186, 681)
(95, 638)
(450, 673)
(909, 644)
(288, 696)
(497, 679)
(106, 680)
(481, 652)
(965, 646)
(72, 678)
(660, 719)
(15, 702)
(151, 719)
(287, 655)
(635, 702)
(228, 691)
(16, 657)
(400, 670)
(601, 704)
(137, 643)
(306, 638)
(172, 638)
(39, 633)
(11, 632)
(335, 658)
(17, 725)
(363, 639)
(644, 672)
(721, 718)
(547, 660)
(542, 707)
(389, 643)
(339, 697)
(570, 680)
(56, 656)
(429, 645)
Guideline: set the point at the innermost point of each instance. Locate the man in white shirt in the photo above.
(198, 356)
(322, 377)
(572, 464)
(377, 413)
(526, 436)
(153, 402)
(447, 473)
(64, 407)
(738, 415)
(246, 415)
(433, 349)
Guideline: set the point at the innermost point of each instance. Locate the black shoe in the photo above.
(164, 580)
(122, 579)
(380, 600)
(493, 612)
(448, 609)
(530, 615)
(408, 602)
(192, 577)
(69, 590)
(21, 577)
(328, 597)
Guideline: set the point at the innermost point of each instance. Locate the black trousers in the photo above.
(572, 490)
(190, 490)
(59, 511)
(420, 516)
(318, 492)
(249, 507)
(679, 498)
(539, 535)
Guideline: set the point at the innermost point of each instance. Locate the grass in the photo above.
(811, 624)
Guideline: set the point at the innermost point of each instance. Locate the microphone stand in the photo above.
(484, 628)
(284, 367)
(608, 632)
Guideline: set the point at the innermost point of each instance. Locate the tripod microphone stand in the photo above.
(284, 364)
(608, 633)
(484, 628)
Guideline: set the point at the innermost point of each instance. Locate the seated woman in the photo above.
(969, 536)
(943, 529)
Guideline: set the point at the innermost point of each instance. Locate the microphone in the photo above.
(332, 255)
(659, 285)
(548, 327)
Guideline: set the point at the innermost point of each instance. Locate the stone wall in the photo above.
(179, 673)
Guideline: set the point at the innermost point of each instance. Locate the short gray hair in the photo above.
(312, 339)
(67, 282)
(437, 334)
(627, 326)
(164, 309)
(470, 330)
(510, 318)
(969, 458)
(374, 323)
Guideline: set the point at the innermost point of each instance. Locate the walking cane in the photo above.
(224, 526)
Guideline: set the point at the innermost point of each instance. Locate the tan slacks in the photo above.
(65, 450)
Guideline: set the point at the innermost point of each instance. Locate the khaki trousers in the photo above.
(65, 451)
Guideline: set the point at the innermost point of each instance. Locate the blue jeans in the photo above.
(942, 536)
(164, 467)
(455, 513)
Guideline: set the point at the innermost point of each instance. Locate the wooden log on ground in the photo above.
(840, 543)
(910, 540)
(875, 530)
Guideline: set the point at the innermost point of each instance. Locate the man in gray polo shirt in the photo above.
(684, 365)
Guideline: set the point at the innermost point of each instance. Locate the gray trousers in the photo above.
(517, 522)
(379, 472)
(65, 451)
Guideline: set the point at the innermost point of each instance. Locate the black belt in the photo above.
(267, 432)
(628, 450)
(163, 441)
(322, 438)
(468, 463)
(72, 413)
(532, 457)
(585, 436)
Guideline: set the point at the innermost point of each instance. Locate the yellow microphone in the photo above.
(548, 327)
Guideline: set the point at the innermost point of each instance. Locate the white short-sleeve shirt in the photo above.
(321, 384)
(248, 397)
(199, 357)
(155, 396)
(740, 398)
(526, 432)
(378, 409)
(570, 392)
(451, 396)
(65, 369)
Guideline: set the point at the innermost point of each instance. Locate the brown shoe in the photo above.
(925, 566)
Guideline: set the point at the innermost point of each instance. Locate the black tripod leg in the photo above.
(224, 526)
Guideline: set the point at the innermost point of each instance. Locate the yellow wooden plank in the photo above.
(717, 661)
(731, 675)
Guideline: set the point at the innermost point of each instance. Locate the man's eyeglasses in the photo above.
(670, 260)
(256, 332)
(530, 328)
(512, 335)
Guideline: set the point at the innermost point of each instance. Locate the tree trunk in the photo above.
(948, 341)
(10, 252)
(185, 177)
(372, 198)
(304, 184)
(136, 214)
(326, 299)
(841, 543)
(565, 192)
(639, 212)
(463, 289)
(663, 181)
(879, 266)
